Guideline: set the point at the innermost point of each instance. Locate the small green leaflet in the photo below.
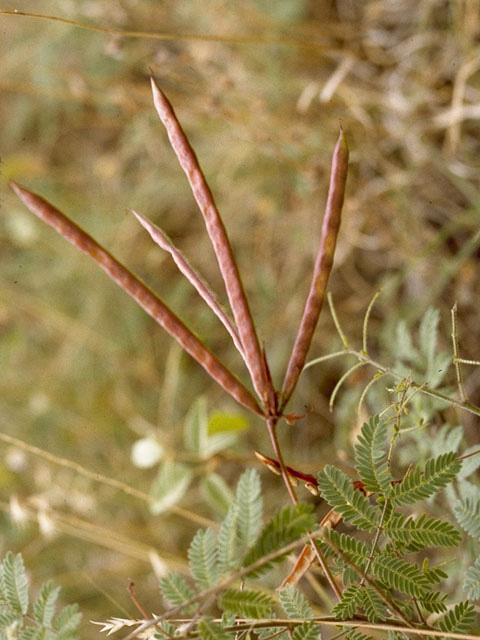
(217, 493)
(211, 630)
(294, 603)
(459, 619)
(306, 631)
(203, 558)
(418, 485)
(351, 599)
(337, 489)
(467, 512)
(175, 589)
(471, 584)
(424, 532)
(371, 457)
(169, 486)
(247, 603)
(286, 526)
(250, 507)
(13, 582)
(44, 607)
(400, 575)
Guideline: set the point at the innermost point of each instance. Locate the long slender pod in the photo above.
(221, 244)
(195, 279)
(144, 296)
(323, 266)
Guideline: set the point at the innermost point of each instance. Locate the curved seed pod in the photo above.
(221, 244)
(323, 266)
(144, 296)
(195, 279)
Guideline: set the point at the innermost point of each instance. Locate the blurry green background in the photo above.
(260, 87)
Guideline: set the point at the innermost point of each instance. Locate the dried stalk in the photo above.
(144, 296)
(323, 266)
(221, 245)
(195, 279)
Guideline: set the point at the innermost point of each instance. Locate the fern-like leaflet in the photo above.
(337, 489)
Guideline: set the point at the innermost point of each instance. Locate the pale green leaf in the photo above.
(371, 456)
(229, 549)
(211, 630)
(401, 575)
(467, 513)
(306, 631)
(217, 493)
(169, 486)
(203, 558)
(44, 607)
(175, 590)
(294, 603)
(459, 619)
(471, 584)
(247, 603)
(250, 507)
(14, 584)
(195, 433)
(226, 422)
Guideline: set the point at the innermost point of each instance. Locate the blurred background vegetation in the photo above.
(260, 87)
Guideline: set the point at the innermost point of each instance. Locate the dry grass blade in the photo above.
(195, 279)
(323, 266)
(144, 296)
(221, 244)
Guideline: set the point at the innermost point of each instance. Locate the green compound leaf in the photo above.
(13, 582)
(169, 486)
(433, 602)
(175, 589)
(217, 493)
(418, 485)
(355, 634)
(356, 550)
(294, 603)
(459, 619)
(351, 600)
(289, 524)
(44, 607)
(211, 630)
(250, 507)
(467, 512)
(248, 603)
(400, 575)
(471, 584)
(337, 489)
(228, 545)
(424, 532)
(195, 433)
(67, 622)
(371, 457)
(307, 631)
(203, 558)
(373, 605)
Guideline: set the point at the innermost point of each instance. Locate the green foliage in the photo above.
(433, 602)
(355, 634)
(467, 512)
(289, 524)
(16, 621)
(211, 630)
(247, 603)
(371, 458)
(203, 558)
(306, 631)
(170, 485)
(356, 550)
(421, 484)
(14, 584)
(471, 584)
(351, 599)
(424, 532)
(249, 503)
(228, 540)
(217, 493)
(400, 575)
(294, 603)
(337, 489)
(459, 619)
(373, 605)
(175, 589)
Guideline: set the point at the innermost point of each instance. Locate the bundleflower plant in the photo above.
(270, 403)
